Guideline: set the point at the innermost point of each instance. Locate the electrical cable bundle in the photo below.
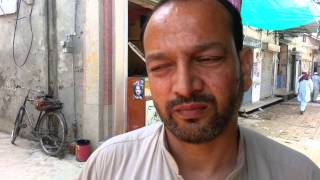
(15, 30)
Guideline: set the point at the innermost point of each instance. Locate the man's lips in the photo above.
(190, 110)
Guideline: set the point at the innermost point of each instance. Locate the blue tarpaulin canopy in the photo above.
(279, 14)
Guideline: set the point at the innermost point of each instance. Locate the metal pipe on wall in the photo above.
(75, 121)
(51, 31)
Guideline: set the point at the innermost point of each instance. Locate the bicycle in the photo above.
(51, 127)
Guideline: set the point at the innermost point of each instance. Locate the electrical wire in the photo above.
(15, 30)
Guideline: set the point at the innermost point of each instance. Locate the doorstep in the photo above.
(285, 95)
(245, 108)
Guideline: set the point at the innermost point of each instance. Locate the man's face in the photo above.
(138, 90)
(194, 69)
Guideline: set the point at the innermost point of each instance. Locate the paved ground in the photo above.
(26, 161)
(281, 122)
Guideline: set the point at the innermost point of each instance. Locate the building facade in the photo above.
(80, 54)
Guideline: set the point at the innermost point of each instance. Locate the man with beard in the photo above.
(198, 72)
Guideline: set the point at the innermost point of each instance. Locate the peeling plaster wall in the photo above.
(77, 78)
(34, 73)
(70, 19)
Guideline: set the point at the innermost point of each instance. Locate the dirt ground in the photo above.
(26, 161)
(283, 123)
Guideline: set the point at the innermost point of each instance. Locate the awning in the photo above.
(279, 14)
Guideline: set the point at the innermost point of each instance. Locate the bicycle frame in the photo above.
(23, 106)
(50, 129)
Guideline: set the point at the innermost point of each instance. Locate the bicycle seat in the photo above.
(48, 104)
(44, 96)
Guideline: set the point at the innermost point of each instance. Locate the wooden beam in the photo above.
(145, 3)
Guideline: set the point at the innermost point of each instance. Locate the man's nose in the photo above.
(186, 81)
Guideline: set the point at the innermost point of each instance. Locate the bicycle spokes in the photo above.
(52, 133)
(51, 142)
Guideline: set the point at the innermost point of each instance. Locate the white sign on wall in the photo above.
(151, 113)
(256, 76)
(8, 7)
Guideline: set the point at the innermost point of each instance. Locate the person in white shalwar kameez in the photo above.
(304, 89)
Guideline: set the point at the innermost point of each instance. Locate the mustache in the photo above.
(195, 98)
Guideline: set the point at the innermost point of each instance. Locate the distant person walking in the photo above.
(303, 89)
(316, 85)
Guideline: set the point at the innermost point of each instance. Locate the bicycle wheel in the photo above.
(17, 125)
(52, 133)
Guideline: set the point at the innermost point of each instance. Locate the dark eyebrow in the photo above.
(154, 56)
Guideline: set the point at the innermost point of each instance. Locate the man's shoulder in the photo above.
(129, 141)
(134, 136)
(269, 153)
(269, 147)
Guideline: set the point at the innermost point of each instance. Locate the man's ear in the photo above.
(246, 61)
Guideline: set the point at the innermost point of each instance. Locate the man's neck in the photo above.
(213, 160)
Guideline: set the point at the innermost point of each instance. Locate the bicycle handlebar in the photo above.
(29, 89)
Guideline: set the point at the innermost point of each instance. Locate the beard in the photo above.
(194, 132)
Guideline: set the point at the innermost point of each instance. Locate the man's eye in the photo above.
(159, 67)
(211, 59)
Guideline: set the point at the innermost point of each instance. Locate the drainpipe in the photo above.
(75, 122)
(46, 12)
(50, 13)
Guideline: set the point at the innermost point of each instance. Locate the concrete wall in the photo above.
(34, 74)
(65, 69)
(85, 76)
(70, 18)
(90, 81)
(262, 35)
(92, 125)
(264, 66)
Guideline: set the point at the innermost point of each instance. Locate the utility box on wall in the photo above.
(8, 7)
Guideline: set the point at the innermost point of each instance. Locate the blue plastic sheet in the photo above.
(279, 14)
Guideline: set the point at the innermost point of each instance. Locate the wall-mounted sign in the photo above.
(138, 89)
(151, 113)
(256, 75)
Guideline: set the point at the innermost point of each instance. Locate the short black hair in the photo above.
(236, 21)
